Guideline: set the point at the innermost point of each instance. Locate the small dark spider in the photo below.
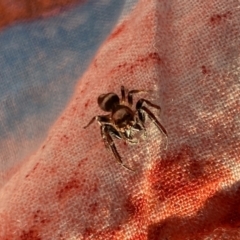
(122, 120)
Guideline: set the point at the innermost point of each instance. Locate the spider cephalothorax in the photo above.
(123, 120)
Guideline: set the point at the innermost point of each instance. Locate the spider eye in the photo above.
(107, 102)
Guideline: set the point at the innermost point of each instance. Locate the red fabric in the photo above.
(12, 11)
(71, 188)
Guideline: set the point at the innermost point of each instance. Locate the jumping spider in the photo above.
(123, 120)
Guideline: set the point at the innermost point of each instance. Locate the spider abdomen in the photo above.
(108, 102)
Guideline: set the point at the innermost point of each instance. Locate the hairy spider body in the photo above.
(122, 120)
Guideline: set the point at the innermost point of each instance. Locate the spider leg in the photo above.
(101, 119)
(123, 91)
(113, 132)
(141, 116)
(154, 120)
(106, 135)
(130, 95)
(142, 100)
(141, 121)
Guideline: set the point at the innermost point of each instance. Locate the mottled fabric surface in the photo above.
(58, 181)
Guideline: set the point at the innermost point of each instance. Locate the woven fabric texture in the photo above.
(184, 187)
